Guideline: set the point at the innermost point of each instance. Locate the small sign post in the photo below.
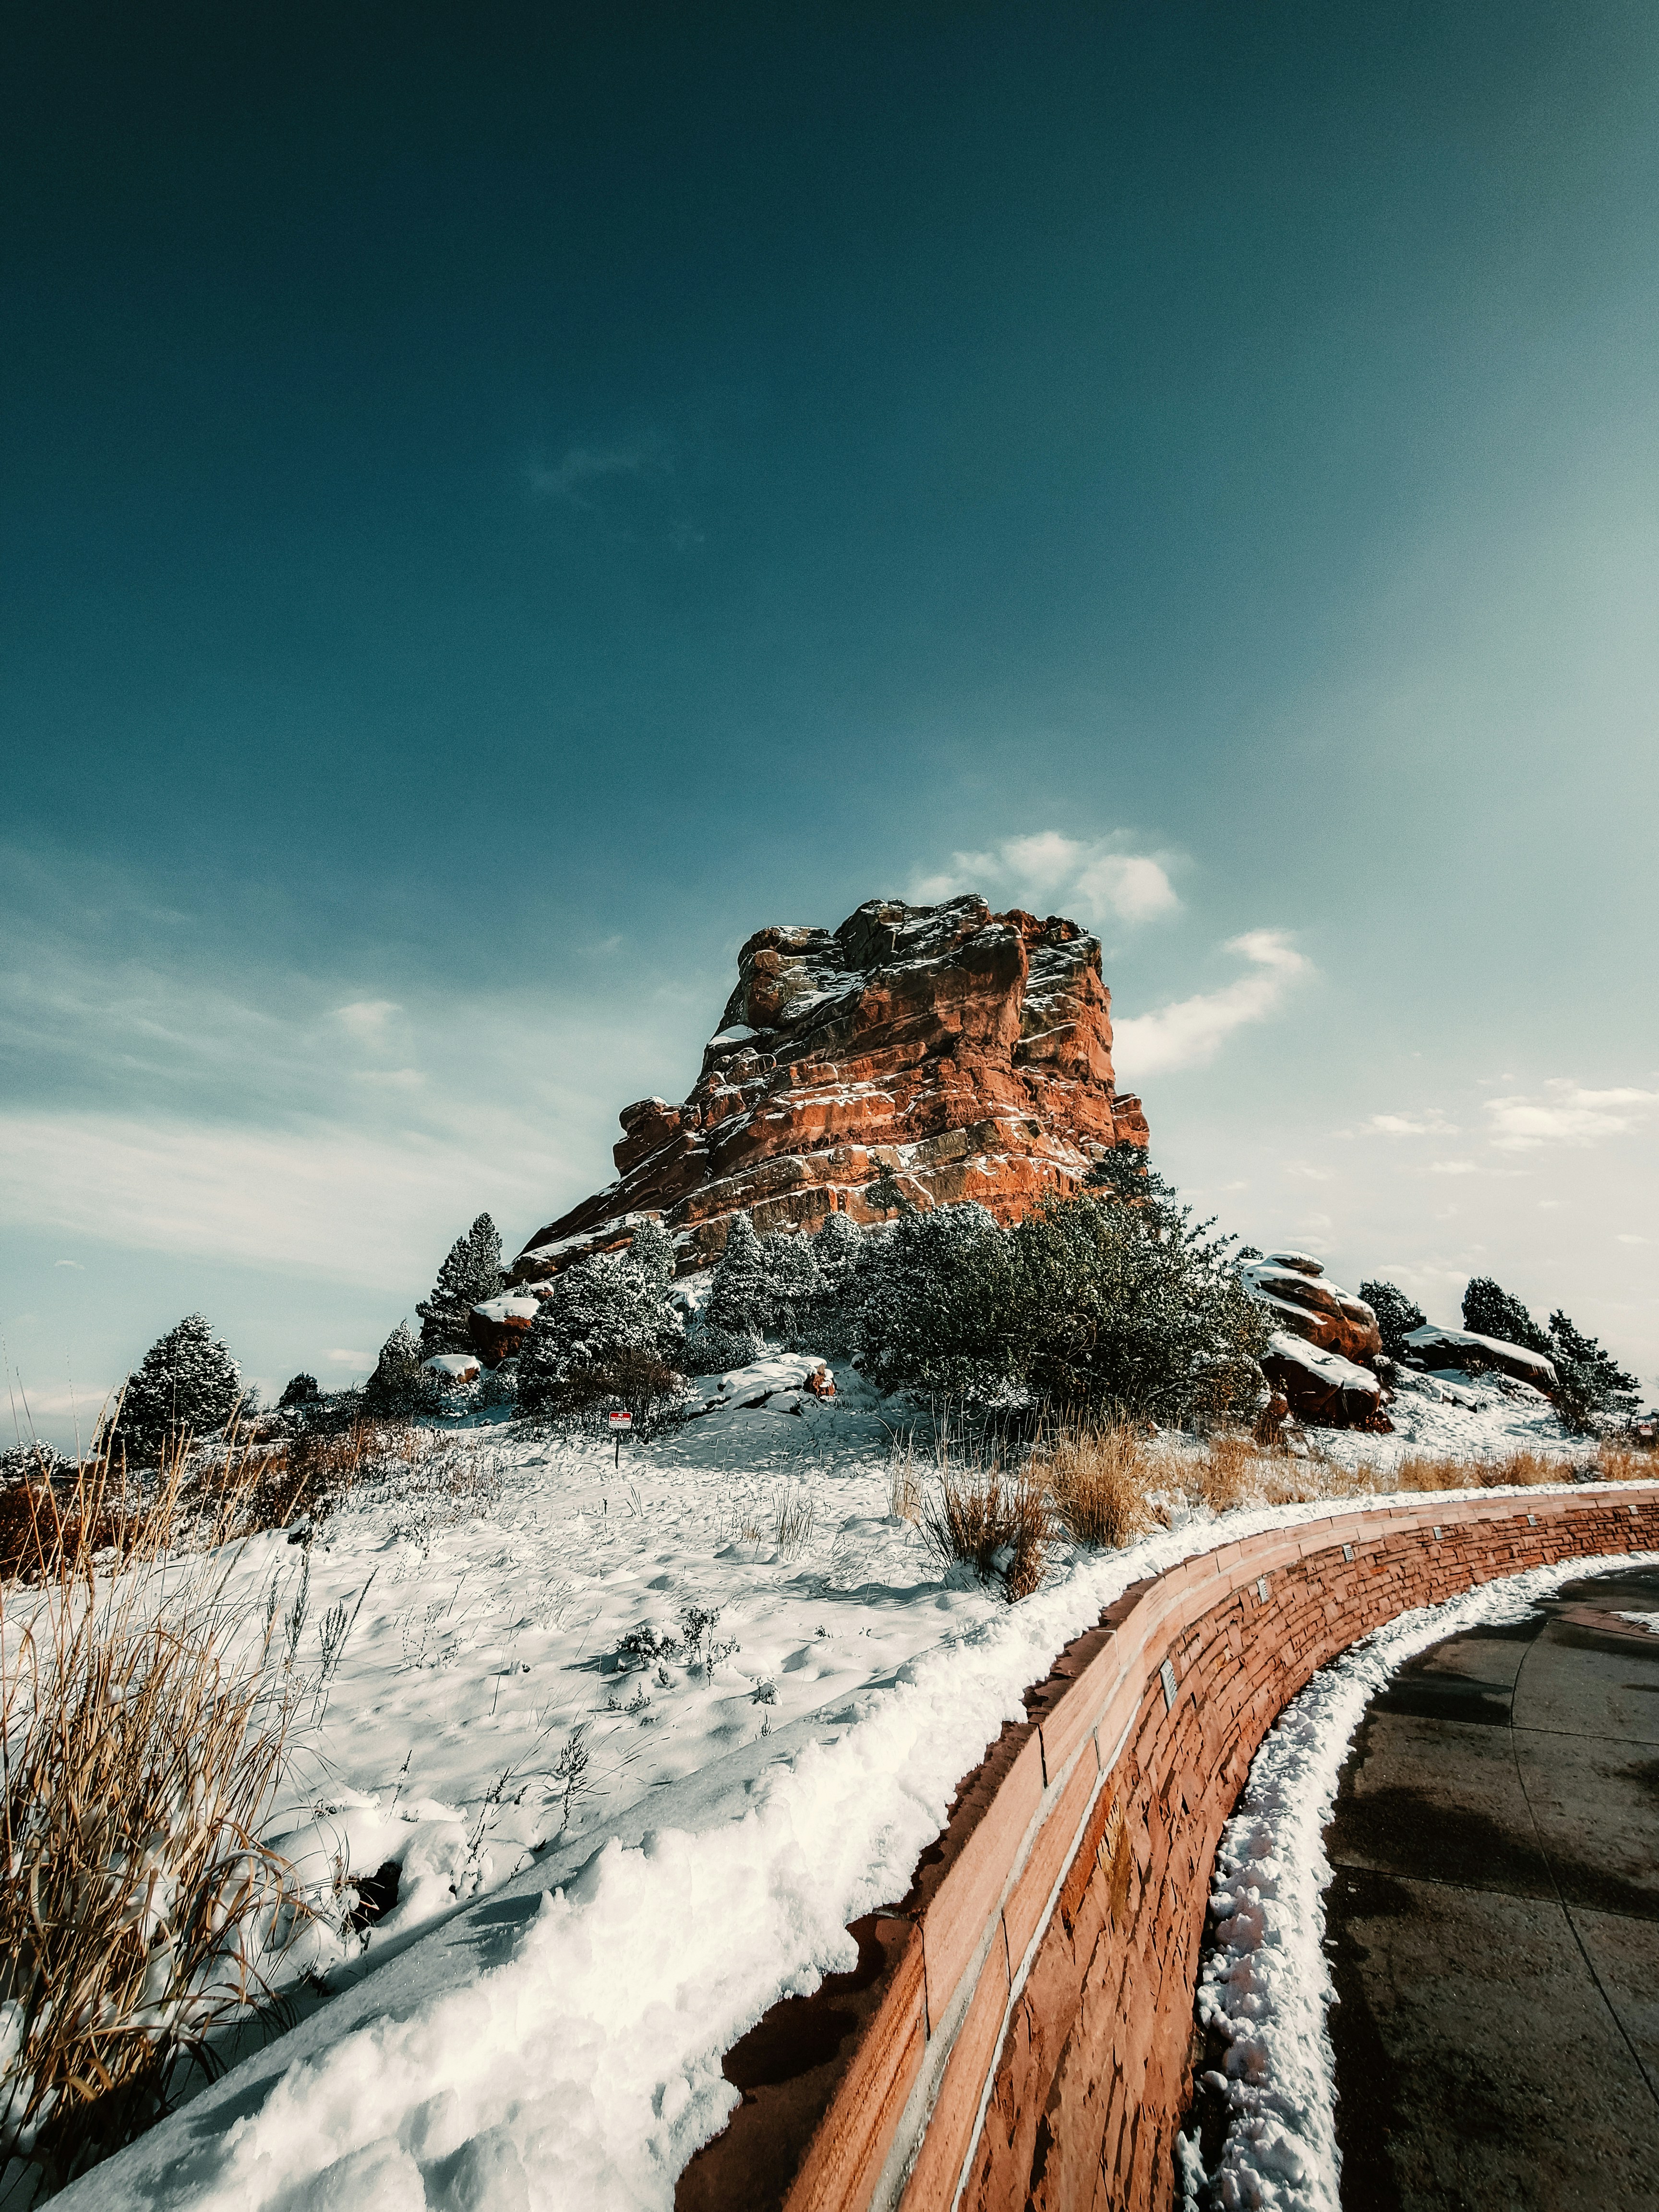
(620, 1424)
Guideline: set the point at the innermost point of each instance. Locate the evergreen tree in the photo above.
(1396, 1316)
(887, 1195)
(303, 1390)
(1489, 1310)
(1590, 1381)
(793, 1285)
(395, 1385)
(187, 1383)
(739, 1299)
(836, 1248)
(472, 1273)
(653, 1251)
(606, 1329)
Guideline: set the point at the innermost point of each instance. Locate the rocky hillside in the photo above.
(966, 1054)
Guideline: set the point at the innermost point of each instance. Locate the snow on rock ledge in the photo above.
(966, 1052)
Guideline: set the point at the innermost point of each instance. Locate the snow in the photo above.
(1648, 1620)
(1330, 1367)
(454, 1366)
(1428, 1341)
(510, 1308)
(1264, 1982)
(765, 1766)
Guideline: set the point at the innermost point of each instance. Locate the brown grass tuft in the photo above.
(995, 1523)
(142, 1739)
(1098, 1479)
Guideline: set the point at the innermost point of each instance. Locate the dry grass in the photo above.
(994, 1523)
(1099, 1481)
(904, 1484)
(142, 1739)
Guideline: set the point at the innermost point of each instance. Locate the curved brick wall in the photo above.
(1016, 2034)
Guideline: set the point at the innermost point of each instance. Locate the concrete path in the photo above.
(1493, 1918)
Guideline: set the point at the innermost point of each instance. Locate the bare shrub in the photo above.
(1098, 1479)
(995, 1523)
(793, 1521)
(141, 1737)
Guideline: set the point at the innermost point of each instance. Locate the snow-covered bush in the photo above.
(608, 1329)
(33, 1462)
(1396, 1316)
(397, 1386)
(738, 1298)
(472, 1273)
(499, 1386)
(187, 1383)
(1112, 1298)
(303, 1390)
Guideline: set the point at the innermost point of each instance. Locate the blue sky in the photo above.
(500, 502)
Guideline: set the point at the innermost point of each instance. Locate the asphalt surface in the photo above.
(1492, 1922)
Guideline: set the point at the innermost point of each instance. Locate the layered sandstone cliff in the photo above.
(966, 1054)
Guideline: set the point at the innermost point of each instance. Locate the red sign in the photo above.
(621, 1420)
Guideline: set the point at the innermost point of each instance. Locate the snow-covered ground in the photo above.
(1265, 1983)
(647, 1737)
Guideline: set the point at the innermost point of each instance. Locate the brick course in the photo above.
(1081, 2070)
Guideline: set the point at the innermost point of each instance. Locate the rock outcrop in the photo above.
(1293, 1288)
(1322, 1343)
(1466, 1353)
(964, 1053)
(499, 1327)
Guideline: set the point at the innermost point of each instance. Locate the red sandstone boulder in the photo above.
(1468, 1353)
(1323, 1387)
(499, 1327)
(966, 1053)
(1293, 1289)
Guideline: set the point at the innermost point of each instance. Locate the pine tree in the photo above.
(1590, 1381)
(187, 1383)
(1396, 1316)
(887, 1195)
(303, 1390)
(1489, 1310)
(472, 1273)
(395, 1387)
(793, 1285)
(836, 1248)
(605, 1330)
(653, 1251)
(738, 1302)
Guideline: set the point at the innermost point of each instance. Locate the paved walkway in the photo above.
(1493, 1920)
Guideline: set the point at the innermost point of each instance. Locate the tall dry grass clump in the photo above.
(1098, 1479)
(995, 1522)
(142, 1739)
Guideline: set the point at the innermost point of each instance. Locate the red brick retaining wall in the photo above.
(1021, 2037)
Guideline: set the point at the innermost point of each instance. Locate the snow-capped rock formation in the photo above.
(1322, 1343)
(966, 1054)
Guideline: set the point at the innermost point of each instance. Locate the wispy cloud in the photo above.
(1190, 1033)
(572, 477)
(1431, 1123)
(1098, 880)
(1568, 1114)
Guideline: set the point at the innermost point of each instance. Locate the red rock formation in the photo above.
(966, 1054)
(1293, 1289)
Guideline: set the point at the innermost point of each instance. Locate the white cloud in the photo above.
(1094, 878)
(1567, 1114)
(367, 1019)
(1453, 1167)
(75, 1264)
(1189, 1033)
(349, 1358)
(1433, 1123)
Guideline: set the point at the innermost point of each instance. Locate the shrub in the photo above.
(607, 1329)
(472, 1273)
(1396, 1316)
(1113, 1298)
(737, 1297)
(303, 1390)
(186, 1384)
